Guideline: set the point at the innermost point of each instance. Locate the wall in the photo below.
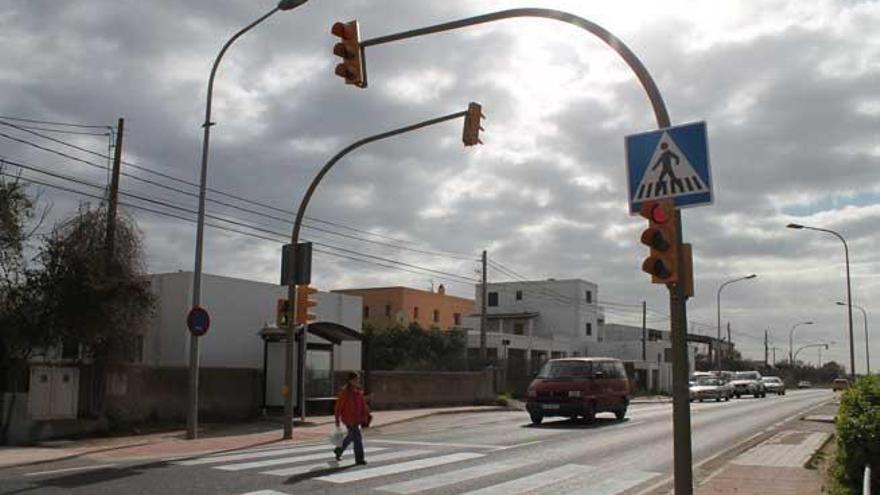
(239, 309)
(404, 389)
(139, 393)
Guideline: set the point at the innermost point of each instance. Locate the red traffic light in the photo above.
(349, 49)
(662, 237)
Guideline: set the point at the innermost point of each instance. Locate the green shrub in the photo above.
(858, 431)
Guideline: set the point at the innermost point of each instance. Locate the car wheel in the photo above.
(590, 413)
(620, 414)
(718, 399)
(737, 396)
(536, 418)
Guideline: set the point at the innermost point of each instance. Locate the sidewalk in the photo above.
(213, 438)
(779, 464)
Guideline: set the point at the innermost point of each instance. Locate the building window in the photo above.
(456, 318)
(518, 328)
(416, 312)
(589, 297)
(519, 295)
(388, 310)
(366, 312)
(589, 329)
(493, 299)
(436, 316)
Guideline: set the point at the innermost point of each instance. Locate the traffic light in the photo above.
(472, 125)
(282, 308)
(349, 48)
(661, 236)
(303, 303)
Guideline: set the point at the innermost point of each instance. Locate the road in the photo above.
(474, 454)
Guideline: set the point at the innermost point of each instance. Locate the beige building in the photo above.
(385, 306)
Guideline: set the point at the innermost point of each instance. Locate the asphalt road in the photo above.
(481, 453)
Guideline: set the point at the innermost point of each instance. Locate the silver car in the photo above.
(748, 383)
(774, 385)
(707, 388)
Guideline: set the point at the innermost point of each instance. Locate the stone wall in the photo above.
(411, 389)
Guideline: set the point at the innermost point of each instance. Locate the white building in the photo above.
(537, 320)
(242, 313)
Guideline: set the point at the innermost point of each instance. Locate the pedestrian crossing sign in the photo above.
(670, 163)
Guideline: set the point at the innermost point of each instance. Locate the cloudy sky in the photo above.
(788, 89)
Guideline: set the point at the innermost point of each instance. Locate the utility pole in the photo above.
(113, 200)
(644, 330)
(484, 318)
(774, 356)
(766, 349)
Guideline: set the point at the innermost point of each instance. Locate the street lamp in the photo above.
(192, 415)
(865, 319)
(820, 345)
(852, 352)
(718, 307)
(791, 340)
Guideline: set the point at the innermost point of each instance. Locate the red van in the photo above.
(575, 387)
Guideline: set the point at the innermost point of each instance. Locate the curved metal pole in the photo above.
(615, 43)
(809, 346)
(718, 308)
(791, 340)
(294, 240)
(867, 353)
(193, 404)
(852, 352)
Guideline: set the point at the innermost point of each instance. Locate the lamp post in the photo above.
(865, 319)
(192, 415)
(791, 340)
(852, 352)
(718, 308)
(820, 345)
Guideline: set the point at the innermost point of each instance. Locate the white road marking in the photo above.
(450, 478)
(439, 444)
(70, 470)
(265, 492)
(363, 474)
(535, 481)
(516, 446)
(285, 460)
(252, 455)
(293, 471)
(607, 482)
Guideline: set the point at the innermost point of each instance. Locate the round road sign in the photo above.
(198, 321)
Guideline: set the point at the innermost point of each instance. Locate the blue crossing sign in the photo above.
(670, 163)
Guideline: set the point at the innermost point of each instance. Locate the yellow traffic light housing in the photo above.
(282, 309)
(473, 125)
(662, 237)
(349, 49)
(303, 303)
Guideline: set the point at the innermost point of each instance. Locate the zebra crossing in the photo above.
(427, 468)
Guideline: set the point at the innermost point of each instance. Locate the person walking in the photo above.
(352, 411)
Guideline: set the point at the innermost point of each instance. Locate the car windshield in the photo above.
(772, 379)
(565, 369)
(709, 381)
(746, 375)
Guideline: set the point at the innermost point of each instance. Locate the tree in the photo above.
(97, 296)
(22, 323)
(400, 347)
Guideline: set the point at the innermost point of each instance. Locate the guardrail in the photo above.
(866, 480)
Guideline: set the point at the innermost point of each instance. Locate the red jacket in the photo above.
(351, 408)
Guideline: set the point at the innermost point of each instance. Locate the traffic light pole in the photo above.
(291, 291)
(677, 298)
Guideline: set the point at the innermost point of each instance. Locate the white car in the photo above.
(748, 383)
(774, 385)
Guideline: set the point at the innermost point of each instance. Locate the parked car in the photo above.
(804, 384)
(575, 387)
(774, 385)
(710, 388)
(839, 384)
(748, 383)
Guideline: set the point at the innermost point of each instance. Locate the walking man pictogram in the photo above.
(665, 160)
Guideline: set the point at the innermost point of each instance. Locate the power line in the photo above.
(425, 270)
(46, 122)
(447, 254)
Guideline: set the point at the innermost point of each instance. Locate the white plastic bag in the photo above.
(337, 437)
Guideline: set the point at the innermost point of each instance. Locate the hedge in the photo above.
(858, 431)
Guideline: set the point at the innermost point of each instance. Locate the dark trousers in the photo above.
(354, 436)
